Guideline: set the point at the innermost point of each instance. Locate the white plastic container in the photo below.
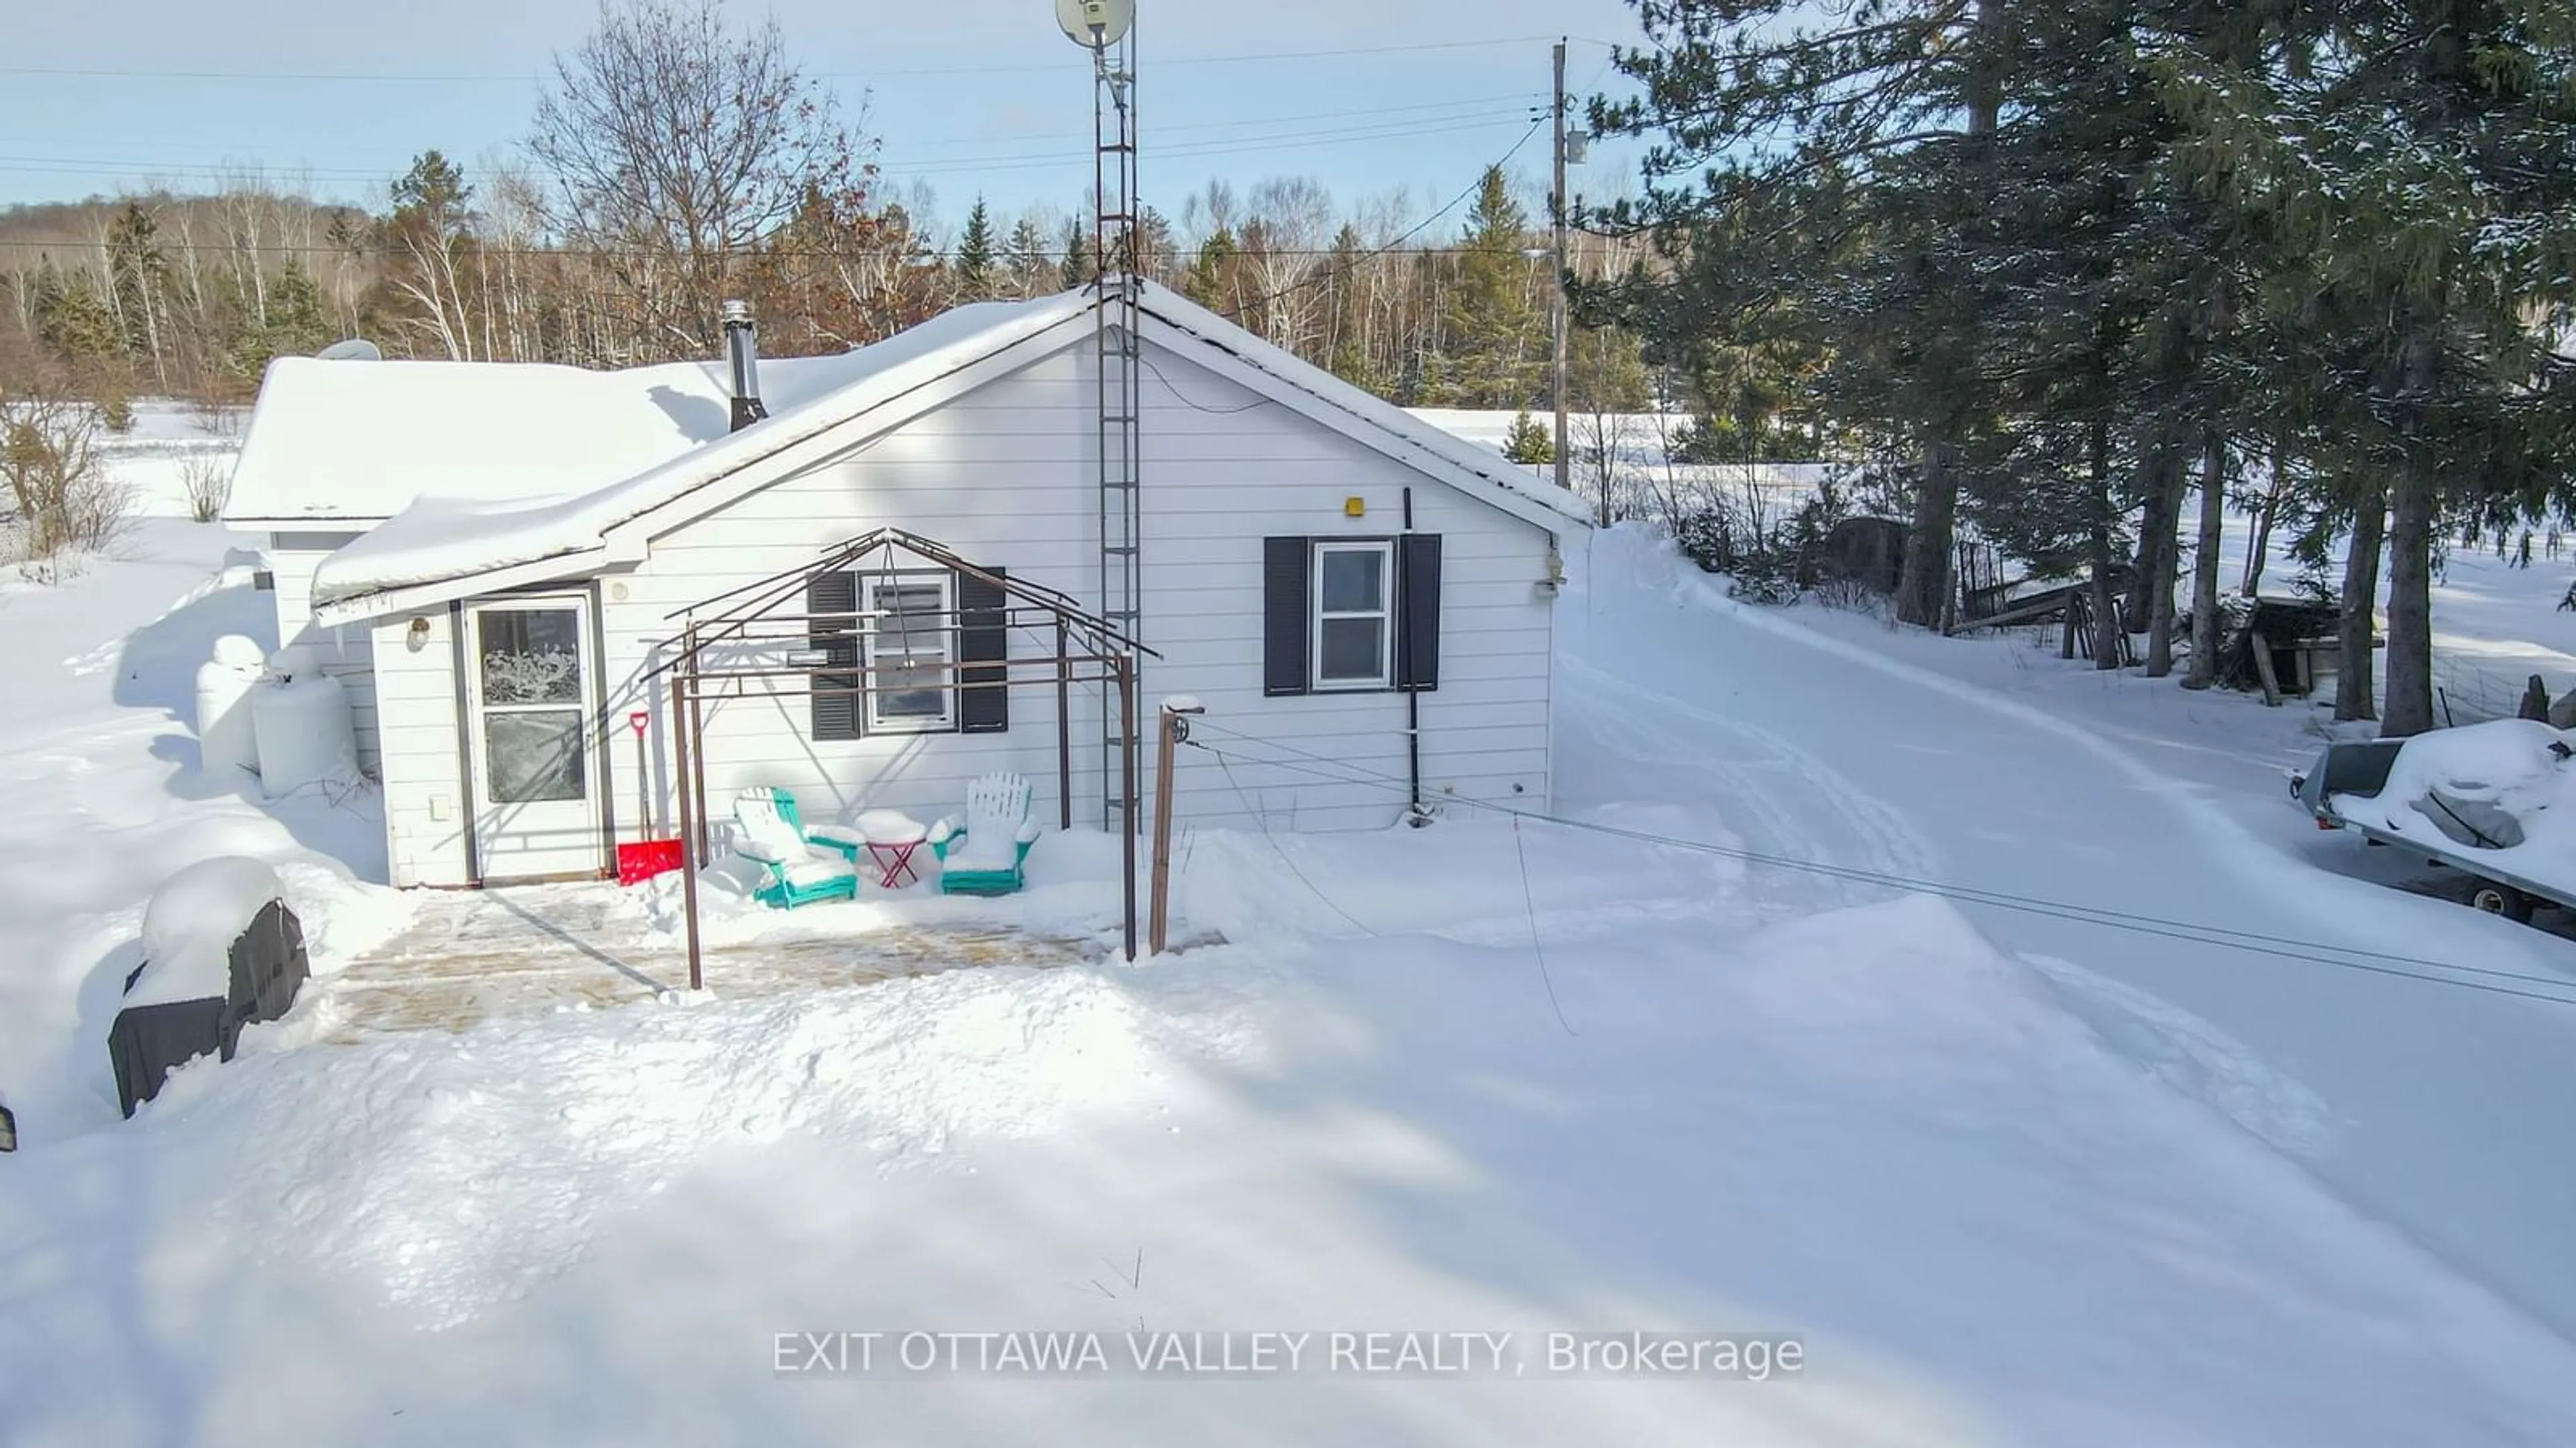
(293, 663)
(305, 737)
(227, 744)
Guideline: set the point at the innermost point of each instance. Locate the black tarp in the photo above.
(268, 967)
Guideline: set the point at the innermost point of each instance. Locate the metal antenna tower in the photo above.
(1118, 270)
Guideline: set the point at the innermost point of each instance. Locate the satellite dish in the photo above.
(1095, 24)
(356, 349)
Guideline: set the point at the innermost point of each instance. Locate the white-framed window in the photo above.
(911, 643)
(1354, 594)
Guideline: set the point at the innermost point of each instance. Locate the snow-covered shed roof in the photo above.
(442, 547)
(358, 442)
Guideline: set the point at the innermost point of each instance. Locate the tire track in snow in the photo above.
(2371, 1114)
(1790, 802)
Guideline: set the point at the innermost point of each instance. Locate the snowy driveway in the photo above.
(1822, 749)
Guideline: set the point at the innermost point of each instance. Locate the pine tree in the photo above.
(1494, 324)
(138, 281)
(1078, 264)
(74, 321)
(1824, 178)
(973, 268)
(1529, 442)
(1210, 280)
(1032, 266)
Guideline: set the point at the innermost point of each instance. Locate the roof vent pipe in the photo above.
(743, 351)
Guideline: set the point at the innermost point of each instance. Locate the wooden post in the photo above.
(1127, 837)
(1175, 729)
(680, 786)
(2263, 669)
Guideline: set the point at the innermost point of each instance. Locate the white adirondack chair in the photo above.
(987, 852)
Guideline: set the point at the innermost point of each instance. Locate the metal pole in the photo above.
(1174, 730)
(1563, 322)
(688, 828)
(1063, 724)
(1127, 833)
(695, 755)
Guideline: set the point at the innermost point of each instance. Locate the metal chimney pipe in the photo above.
(742, 349)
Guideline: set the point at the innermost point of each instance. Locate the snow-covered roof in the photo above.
(358, 442)
(449, 536)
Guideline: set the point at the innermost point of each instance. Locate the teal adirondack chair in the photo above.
(987, 853)
(794, 869)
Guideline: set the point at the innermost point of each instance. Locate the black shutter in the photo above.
(1284, 615)
(983, 641)
(836, 715)
(1417, 618)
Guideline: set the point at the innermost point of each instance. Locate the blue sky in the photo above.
(969, 96)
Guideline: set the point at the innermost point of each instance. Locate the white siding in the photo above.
(425, 801)
(1005, 476)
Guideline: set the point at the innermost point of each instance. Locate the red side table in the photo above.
(891, 836)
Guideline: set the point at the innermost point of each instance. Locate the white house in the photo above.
(500, 559)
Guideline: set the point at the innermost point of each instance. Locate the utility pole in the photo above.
(1562, 321)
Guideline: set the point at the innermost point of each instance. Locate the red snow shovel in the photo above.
(641, 861)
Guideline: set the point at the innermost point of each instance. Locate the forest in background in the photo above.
(2051, 273)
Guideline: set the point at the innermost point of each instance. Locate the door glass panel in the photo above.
(534, 755)
(1353, 650)
(1354, 580)
(531, 656)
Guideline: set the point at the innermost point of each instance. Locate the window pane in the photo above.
(910, 652)
(531, 656)
(915, 621)
(913, 694)
(533, 756)
(1354, 651)
(1354, 580)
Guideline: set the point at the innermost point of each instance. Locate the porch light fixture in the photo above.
(419, 631)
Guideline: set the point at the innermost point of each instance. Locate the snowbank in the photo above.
(191, 924)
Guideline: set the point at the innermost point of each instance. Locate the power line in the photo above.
(575, 252)
(2252, 942)
(1280, 850)
(925, 167)
(1411, 232)
(1465, 105)
(882, 73)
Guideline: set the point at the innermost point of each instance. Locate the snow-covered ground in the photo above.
(2006, 1177)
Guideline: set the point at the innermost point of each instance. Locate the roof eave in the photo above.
(440, 592)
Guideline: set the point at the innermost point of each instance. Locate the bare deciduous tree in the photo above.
(61, 496)
(678, 145)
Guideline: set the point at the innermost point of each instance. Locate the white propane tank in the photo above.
(227, 745)
(304, 733)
